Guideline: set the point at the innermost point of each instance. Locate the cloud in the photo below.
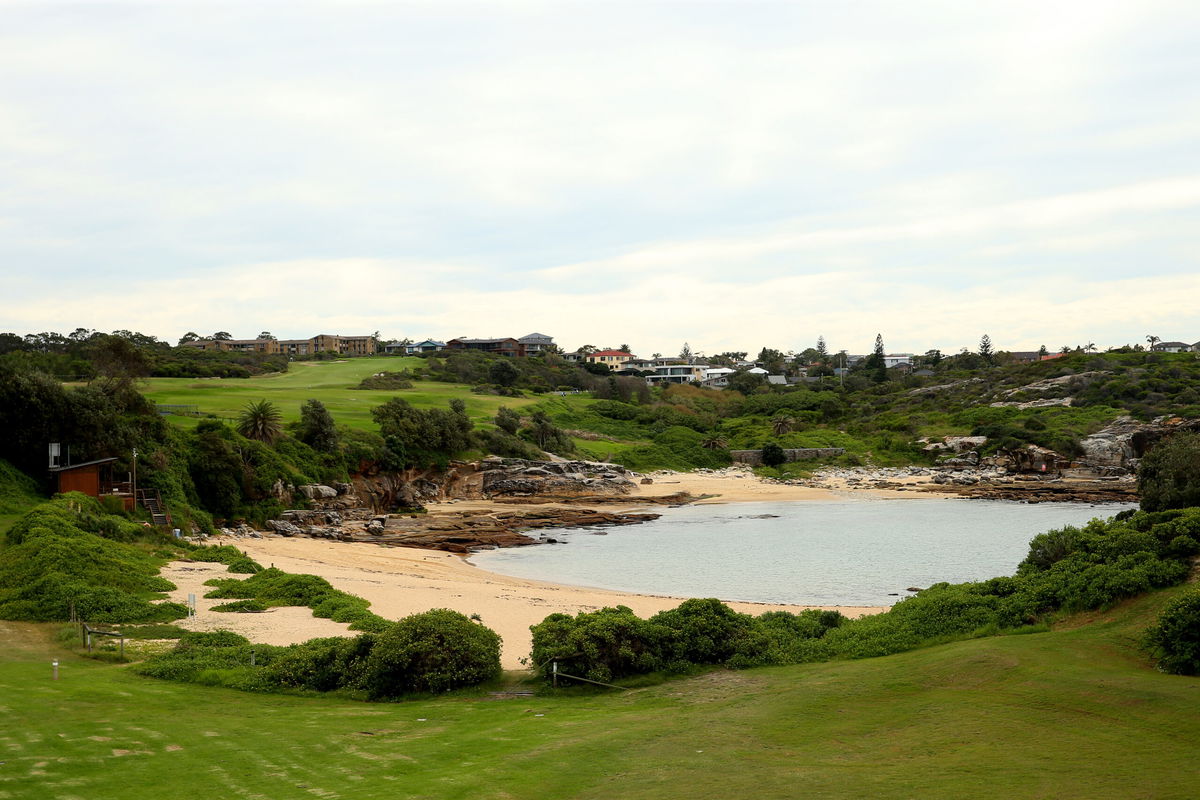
(650, 173)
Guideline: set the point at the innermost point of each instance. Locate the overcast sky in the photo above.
(731, 175)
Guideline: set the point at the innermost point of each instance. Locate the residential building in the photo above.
(536, 343)
(895, 359)
(427, 346)
(345, 345)
(613, 359)
(504, 347)
(1171, 347)
(677, 373)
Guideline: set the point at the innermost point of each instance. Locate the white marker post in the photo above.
(54, 663)
(191, 605)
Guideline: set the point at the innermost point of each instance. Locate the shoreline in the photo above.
(399, 581)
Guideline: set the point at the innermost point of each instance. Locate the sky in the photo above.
(731, 175)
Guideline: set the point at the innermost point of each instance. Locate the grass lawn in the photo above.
(1074, 713)
(330, 382)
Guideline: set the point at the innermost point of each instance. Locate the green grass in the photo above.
(1073, 713)
(331, 382)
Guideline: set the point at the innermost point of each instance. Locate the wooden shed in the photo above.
(94, 478)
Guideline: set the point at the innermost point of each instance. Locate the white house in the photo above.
(1172, 347)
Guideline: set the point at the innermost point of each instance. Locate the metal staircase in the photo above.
(152, 502)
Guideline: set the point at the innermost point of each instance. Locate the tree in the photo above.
(771, 360)
(190, 336)
(316, 427)
(261, 421)
(773, 455)
(1043, 352)
(985, 350)
(1153, 340)
(117, 360)
(746, 382)
(685, 352)
(933, 357)
(507, 420)
(266, 335)
(423, 437)
(714, 442)
(221, 336)
(1169, 475)
(625, 348)
(783, 423)
(503, 372)
(822, 350)
(876, 363)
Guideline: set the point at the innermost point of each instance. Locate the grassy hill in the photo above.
(18, 494)
(1074, 713)
(331, 382)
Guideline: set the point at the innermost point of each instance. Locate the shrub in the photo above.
(1169, 475)
(773, 455)
(599, 645)
(436, 651)
(701, 631)
(321, 665)
(1174, 639)
(240, 606)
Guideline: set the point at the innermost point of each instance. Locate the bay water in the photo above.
(857, 551)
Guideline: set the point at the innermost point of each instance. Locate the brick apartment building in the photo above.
(322, 343)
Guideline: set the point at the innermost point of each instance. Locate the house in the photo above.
(95, 479)
(637, 365)
(896, 359)
(295, 347)
(1171, 347)
(412, 348)
(924, 372)
(1025, 356)
(677, 373)
(614, 359)
(508, 347)
(536, 343)
(777, 380)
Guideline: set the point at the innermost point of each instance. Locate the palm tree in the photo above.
(783, 424)
(715, 442)
(261, 421)
(1153, 340)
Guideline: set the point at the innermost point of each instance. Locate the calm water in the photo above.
(851, 552)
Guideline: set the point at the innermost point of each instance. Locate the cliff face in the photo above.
(1125, 441)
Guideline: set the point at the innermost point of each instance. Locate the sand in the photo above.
(399, 581)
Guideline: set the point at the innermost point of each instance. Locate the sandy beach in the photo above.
(399, 581)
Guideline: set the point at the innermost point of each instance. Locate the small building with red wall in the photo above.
(95, 479)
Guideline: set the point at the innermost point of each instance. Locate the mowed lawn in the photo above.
(331, 382)
(1074, 713)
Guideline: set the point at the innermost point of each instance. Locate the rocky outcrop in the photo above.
(516, 477)
(1121, 444)
(456, 532)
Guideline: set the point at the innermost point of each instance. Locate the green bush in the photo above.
(701, 631)
(1169, 475)
(274, 587)
(241, 606)
(436, 651)
(773, 455)
(53, 563)
(322, 665)
(599, 645)
(1174, 640)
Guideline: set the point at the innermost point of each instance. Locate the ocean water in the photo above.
(849, 552)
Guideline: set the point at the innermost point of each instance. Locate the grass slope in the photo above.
(18, 494)
(331, 382)
(1074, 713)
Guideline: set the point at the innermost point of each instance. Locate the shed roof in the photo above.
(84, 464)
